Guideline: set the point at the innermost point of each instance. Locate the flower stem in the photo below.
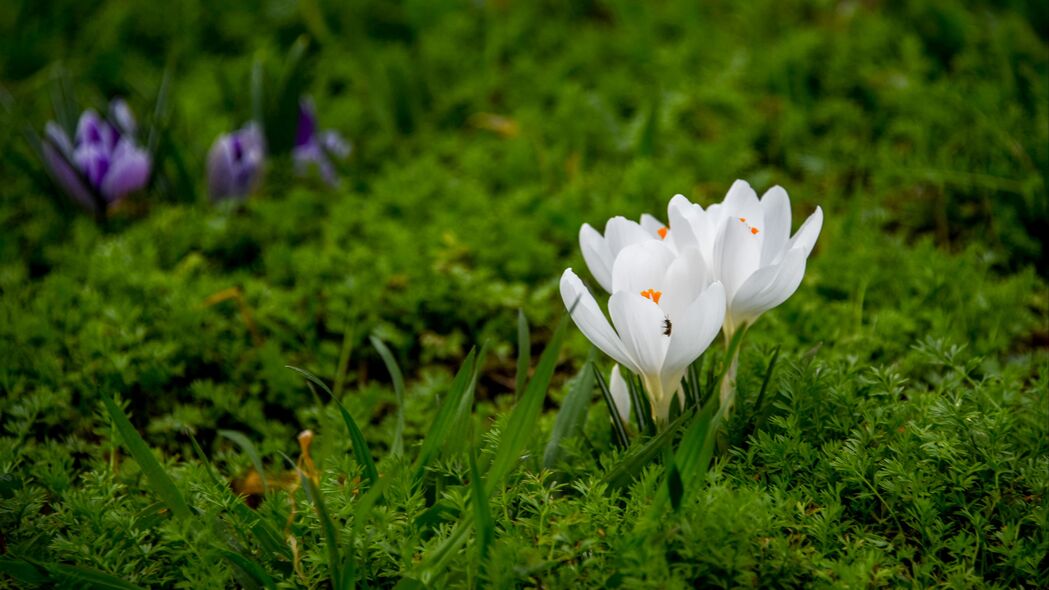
(728, 380)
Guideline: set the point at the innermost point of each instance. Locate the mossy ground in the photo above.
(904, 436)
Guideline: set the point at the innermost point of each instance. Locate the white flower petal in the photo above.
(640, 323)
(742, 201)
(597, 256)
(652, 225)
(768, 287)
(776, 207)
(641, 266)
(685, 278)
(617, 386)
(808, 232)
(591, 321)
(737, 255)
(695, 329)
(620, 232)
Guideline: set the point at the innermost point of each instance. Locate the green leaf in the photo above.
(245, 443)
(697, 445)
(675, 489)
(360, 445)
(482, 511)
(572, 415)
(521, 424)
(265, 533)
(459, 393)
(21, 570)
(313, 17)
(524, 353)
(158, 479)
(66, 576)
(249, 567)
(398, 387)
(618, 429)
(761, 412)
(624, 472)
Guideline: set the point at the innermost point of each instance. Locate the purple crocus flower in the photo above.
(235, 163)
(317, 149)
(102, 164)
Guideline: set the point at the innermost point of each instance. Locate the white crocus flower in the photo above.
(600, 252)
(663, 312)
(617, 386)
(746, 242)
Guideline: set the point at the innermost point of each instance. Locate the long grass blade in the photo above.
(521, 424)
(158, 479)
(265, 533)
(572, 415)
(77, 576)
(462, 387)
(482, 511)
(246, 445)
(398, 389)
(360, 445)
(249, 567)
(627, 469)
(524, 353)
(618, 428)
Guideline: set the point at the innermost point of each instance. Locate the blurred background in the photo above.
(484, 133)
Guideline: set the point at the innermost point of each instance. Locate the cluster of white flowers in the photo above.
(674, 286)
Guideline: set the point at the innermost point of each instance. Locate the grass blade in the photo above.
(570, 417)
(249, 567)
(461, 389)
(524, 353)
(76, 576)
(245, 444)
(760, 411)
(22, 570)
(675, 487)
(265, 533)
(624, 472)
(521, 425)
(618, 428)
(398, 389)
(158, 479)
(360, 445)
(482, 511)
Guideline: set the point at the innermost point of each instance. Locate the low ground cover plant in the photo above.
(276, 361)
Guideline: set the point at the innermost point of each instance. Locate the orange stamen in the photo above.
(662, 233)
(754, 230)
(743, 219)
(652, 294)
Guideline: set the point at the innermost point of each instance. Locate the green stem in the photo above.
(728, 381)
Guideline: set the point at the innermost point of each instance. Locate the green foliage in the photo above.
(891, 425)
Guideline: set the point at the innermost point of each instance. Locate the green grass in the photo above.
(902, 438)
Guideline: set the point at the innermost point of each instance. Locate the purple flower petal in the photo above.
(65, 175)
(59, 139)
(235, 163)
(308, 156)
(93, 161)
(335, 145)
(120, 114)
(129, 171)
(92, 130)
(307, 128)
